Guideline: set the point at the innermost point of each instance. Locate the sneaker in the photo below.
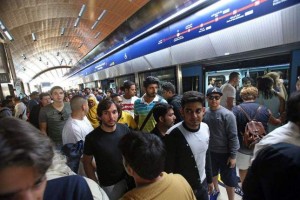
(238, 190)
(214, 195)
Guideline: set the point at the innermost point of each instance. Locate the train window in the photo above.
(190, 83)
(164, 75)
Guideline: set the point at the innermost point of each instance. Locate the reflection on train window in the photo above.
(190, 83)
(164, 75)
(216, 81)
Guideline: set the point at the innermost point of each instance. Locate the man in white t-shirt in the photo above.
(129, 97)
(228, 99)
(77, 126)
(20, 108)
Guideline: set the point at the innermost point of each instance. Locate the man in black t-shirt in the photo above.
(102, 144)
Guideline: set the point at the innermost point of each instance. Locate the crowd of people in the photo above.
(150, 147)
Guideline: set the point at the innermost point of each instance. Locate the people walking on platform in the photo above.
(168, 92)
(246, 81)
(228, 99)
(223, 142)
(143, 105)
(187, 146)
(44, 99)
(92, 113)
(268, 97)
(129, 97)
(77, 126)
(5, 110)
(20, 108)
(88, 93)
(288, 133)
(53, 117)
(102, 144)
(164, 116)
(256, 112)
(144, 159)
(125, 117)
(34, 100)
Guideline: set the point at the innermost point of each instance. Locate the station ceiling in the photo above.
(47, 40)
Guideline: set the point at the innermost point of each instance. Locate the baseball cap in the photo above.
(214, 90)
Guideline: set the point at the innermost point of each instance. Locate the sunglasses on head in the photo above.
(61, 116)
(214, 97)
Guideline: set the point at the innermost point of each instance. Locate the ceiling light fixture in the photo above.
(97, 35)
(76, 22)
(33, 36)
(99, 18)
(6, 32)
(102, 15)
(8, 35)
(95, 24)
(62, 32)
(81, 10)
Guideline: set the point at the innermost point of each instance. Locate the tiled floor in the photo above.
(223, 194)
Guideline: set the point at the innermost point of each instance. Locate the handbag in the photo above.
(73, 152)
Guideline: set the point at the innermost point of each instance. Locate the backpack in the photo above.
(254, 130)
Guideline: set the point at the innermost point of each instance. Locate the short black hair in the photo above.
(113, 95)
(144, 153)
(150, 80)
(293, 107)
(43, 94)
(192, 96)
(5, 103)
(246, 79)
(168, 86)
(160, 109)
(127, 84)
(233, 75)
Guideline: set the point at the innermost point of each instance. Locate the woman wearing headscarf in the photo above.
(92, 114)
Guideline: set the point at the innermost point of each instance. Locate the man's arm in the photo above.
(229, 102)
(89, 168)
(43, 127)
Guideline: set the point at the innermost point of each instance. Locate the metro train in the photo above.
(251, 37)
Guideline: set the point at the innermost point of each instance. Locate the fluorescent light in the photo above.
(97, 35)
(2, 25)
(62, 31)
(102, 15)
(82, 10)
(33, 37)
(95, 24)
(76, 22)
(8, 35)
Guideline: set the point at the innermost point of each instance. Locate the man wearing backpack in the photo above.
(223, 141)
(255, 112)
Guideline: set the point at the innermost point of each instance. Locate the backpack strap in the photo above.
(248, 117)
(150, 113)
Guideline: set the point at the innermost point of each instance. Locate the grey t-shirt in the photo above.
(55, 121)
(223, 131)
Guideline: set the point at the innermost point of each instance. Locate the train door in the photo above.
(191, 78)
(121, 79)
(164, 75)
(222, 76)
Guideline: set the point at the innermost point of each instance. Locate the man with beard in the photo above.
(102, 144)
(144, 105)
(165, 118)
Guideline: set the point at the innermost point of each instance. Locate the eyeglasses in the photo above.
(214, 97)
(61, 116)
